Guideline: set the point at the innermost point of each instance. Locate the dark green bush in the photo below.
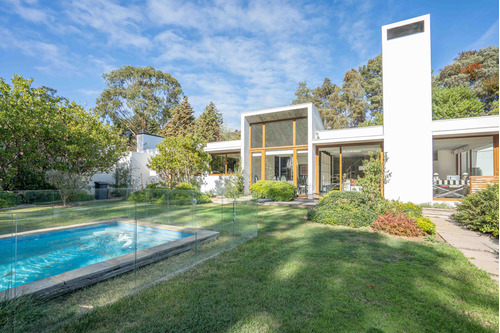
(277, 191)
(426, 225)
(8, 199)
(79, 195)
(351, 209)
(183, 194)
(479, 211)
(39, 197)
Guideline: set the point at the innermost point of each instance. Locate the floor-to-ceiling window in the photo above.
(457, 162)
(340, 166)
(278, 151)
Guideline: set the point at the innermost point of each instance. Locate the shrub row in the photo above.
(183, 194)
(354, 209)
(10, 199)
(277, 191)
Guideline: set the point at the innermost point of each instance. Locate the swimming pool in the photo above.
(49, 254)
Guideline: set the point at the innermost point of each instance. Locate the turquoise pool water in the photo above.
(47, 254)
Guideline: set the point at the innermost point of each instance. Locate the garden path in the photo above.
(480, 249)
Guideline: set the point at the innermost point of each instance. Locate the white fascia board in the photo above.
(278, 109)
(465, 126)
(223, 146)
(350, 135)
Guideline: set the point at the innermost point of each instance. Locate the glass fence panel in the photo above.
(7, 271)
(62, 259)
(72, 259)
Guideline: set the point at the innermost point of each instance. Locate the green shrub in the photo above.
(399, 224)
(8, 199)
(260, 189)
(277, 191)
(183, 194)
(344, 208)
(384, 206)
(79, 195)
(479, 211)
(426, 225)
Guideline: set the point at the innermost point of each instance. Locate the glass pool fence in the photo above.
(63, 254)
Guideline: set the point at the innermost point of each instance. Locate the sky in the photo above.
(243, 56)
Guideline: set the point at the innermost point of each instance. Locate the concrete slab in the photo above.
(481, 249)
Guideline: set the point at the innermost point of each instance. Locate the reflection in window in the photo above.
(302, 172)
(256, 167)
(233, 163)
(301, 131)
(217, 166)
(279, 133)
(256, 134)
(329, 170)
(279, 165)
(352, 165)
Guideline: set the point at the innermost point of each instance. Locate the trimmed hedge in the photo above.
(8, 199)
(277, 191)
(479, 211)
(183, 194)
(352, 209)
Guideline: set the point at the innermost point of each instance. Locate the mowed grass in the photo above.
(304, 277)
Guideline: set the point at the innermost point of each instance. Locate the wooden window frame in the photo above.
(225, 165)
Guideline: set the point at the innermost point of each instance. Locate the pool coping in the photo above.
(57, 285)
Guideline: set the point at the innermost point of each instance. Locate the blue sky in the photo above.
(241, 55)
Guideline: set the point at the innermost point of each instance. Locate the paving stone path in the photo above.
(481, 249)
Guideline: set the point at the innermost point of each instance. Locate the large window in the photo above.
(456, 160)
(279, 133)
(279, 152)
(224, 164)
(279, 165)
(340, 167)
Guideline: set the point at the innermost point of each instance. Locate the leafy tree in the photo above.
(138, 99)
(372, 84)
(209, 126)
(41, 132)
(178, 159)
(455, 102)
(182, 122)
(475, 69)
(339, 107)
(66, 183)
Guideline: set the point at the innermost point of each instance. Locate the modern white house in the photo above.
(429, 159)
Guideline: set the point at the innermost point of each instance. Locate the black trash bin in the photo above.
(101, 190)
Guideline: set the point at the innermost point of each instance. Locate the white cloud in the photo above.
(29, 13)
(485, 38)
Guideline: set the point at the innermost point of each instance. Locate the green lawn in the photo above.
(300, 276)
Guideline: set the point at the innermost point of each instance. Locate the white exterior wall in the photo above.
(407, 97)
(147, 141)
(213, 183)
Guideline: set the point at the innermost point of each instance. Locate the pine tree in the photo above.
(182, 122)
(209, 125)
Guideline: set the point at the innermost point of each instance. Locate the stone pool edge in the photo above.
(63, 283)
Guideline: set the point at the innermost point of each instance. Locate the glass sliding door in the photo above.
(352, 164)
(279, 165)
(329, 170)
(302, 171)
(256, 168)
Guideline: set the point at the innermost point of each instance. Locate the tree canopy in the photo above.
(466, 88)
(40, 131)
(138, 99)
(209, 125)
(179, 158)
(182, 121)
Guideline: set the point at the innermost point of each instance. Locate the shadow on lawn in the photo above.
(300, 276)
